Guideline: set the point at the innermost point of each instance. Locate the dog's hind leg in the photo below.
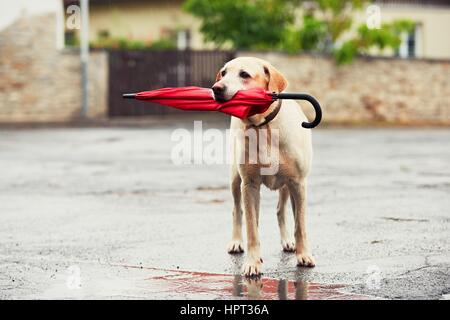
(236, 245)
(287, 241)
(297, 190)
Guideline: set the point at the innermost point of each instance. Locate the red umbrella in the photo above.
(244, 104)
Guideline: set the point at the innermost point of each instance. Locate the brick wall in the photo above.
(40, 83)
(391, 91)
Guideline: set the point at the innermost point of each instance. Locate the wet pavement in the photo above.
(103, 213)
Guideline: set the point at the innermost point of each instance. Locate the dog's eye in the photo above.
(223, 73)
(244, 75)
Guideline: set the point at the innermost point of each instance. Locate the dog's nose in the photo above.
(218, 89)
(219, 92)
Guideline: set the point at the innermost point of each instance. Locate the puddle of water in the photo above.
(154, 283)
(199, 285)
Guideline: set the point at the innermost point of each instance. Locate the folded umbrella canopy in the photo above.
(244, 104)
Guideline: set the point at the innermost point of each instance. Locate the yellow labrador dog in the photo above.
(294, 150)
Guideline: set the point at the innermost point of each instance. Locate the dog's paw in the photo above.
(288, 245)
(252, 268)
(305, 260)
(235, 246)
(254, 286)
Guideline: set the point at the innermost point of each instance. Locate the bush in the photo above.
(243, 24)
(388, 36)
(131, 44)
(270, 24)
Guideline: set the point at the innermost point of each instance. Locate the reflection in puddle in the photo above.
(184, 284)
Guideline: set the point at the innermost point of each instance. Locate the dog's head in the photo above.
(247, 73)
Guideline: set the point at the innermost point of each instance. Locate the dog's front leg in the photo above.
(298, 199)
(236, 245)
(250, 197)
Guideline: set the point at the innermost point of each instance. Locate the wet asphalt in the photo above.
(103, 213)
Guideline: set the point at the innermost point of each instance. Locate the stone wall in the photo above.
(40, 83)
(368, 91)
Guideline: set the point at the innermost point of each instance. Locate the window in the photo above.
(410, 44)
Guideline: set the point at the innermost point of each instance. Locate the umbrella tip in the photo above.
(129, 95)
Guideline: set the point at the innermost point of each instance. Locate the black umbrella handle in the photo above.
(307, 97)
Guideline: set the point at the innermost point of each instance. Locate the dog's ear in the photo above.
(219, 76)
(276, 82)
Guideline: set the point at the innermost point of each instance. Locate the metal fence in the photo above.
(141, 70)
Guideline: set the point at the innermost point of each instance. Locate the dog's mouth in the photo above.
(219, 97)
(223, 96)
